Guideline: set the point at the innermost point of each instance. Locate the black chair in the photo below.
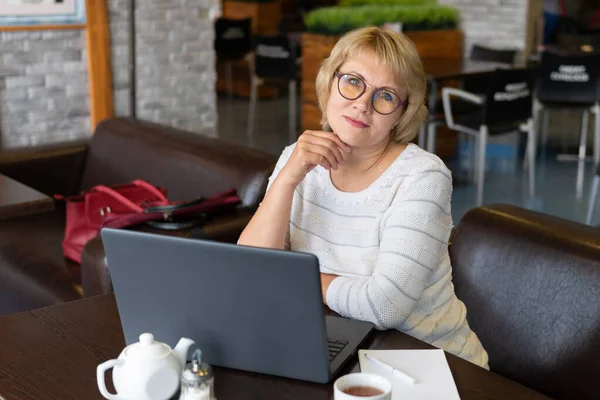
(505, 108)
(478, 84)
(593, 197)
(483, 53)
(274, 59)
(474, 84)
(573, 82)
(233, 42)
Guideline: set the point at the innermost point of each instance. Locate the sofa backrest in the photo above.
(531, 286)
(188, 165)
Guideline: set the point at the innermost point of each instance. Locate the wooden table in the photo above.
(17, 199)
(52, 354)
(441, 69)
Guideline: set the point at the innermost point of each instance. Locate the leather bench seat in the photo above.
(33, 271)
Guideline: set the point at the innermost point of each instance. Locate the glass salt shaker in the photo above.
(197, 380)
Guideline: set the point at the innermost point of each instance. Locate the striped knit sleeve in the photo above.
(283, 159)
(414, 237)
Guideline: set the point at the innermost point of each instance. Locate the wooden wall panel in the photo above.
(438, 44)
(99, 62)
(266, 17)
(315, 48)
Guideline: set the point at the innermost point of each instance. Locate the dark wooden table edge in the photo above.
(29, 208)
(43, 315)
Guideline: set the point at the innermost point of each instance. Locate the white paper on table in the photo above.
(429, 367)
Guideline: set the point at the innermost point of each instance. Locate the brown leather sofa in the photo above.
(33, 271)
(531, 285)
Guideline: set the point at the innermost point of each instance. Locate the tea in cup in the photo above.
(361, 385)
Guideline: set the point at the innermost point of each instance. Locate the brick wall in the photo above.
(176, 73)
(494, 23)
(44, 87)
(44, 95)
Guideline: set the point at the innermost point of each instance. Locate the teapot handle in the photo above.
(100, 371)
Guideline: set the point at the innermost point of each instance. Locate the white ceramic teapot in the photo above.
(147, 370)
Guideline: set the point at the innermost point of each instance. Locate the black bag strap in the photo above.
(173, 207)
(177, 225)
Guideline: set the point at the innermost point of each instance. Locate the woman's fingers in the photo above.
(333, 137)
(329, 146)
(317, 154)
(325, 164)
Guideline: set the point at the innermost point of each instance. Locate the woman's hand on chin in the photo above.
(314, 148)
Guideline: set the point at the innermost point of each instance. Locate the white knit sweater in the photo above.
(389, 246)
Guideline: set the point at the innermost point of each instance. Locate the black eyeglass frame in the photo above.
(339, 75)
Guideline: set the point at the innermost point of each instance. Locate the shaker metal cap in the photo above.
(197, 371)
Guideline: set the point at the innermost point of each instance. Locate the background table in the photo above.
(52, 353)
(17, 199)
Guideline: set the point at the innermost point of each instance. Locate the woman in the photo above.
(374, 208)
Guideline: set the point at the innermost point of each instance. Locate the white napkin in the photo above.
(429, 367)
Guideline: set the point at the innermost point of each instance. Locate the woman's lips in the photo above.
(356, 123)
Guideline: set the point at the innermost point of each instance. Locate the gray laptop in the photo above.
(247, 308)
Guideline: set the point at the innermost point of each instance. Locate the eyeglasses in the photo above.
(383, 100)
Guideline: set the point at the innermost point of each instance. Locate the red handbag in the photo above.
(131, 204)
(86, 212)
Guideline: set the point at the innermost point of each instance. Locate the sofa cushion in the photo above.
(531, 286)
(188, 165)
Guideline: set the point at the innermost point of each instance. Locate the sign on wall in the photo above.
(42, 12)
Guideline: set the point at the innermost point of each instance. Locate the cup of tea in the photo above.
(362, 386)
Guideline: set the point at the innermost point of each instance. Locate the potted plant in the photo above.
(432, 27)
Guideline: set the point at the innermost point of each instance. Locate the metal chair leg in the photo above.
(531, 142)
(252, 110)
(593, 196)
(292, 111)
(482, 141)
(545, 126)
(583, 135)
(581, 154)
(471, 173)
(431, 133)
(596, 111)
(537, 110)
(526, 158)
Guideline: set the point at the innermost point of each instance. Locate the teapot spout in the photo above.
(182, 349)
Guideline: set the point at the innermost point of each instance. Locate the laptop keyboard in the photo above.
(335, 347)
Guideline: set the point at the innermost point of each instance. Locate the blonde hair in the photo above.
(392, 50)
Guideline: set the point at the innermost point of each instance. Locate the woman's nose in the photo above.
(363, 103)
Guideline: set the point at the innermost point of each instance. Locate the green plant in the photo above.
(338, 20)
(355, 3)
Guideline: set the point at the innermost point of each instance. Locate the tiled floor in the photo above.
(556, 192)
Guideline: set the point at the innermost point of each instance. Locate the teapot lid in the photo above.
(147, 348)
